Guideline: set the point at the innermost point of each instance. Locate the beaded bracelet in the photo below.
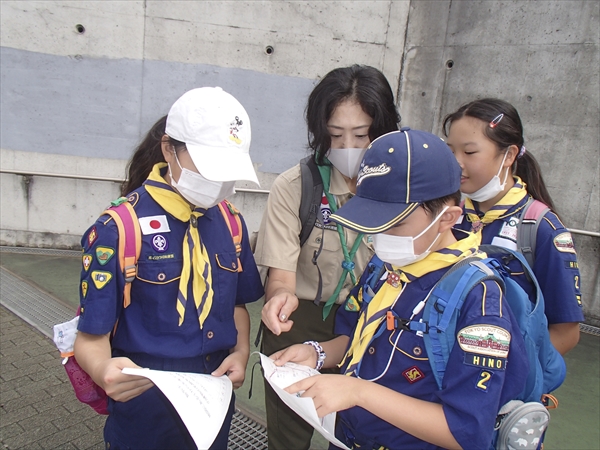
(320, 353)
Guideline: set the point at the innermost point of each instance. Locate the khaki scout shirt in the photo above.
(278, 243)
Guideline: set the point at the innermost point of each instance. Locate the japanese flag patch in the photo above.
(154, 224)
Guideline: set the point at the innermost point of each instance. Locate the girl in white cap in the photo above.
(187, 302)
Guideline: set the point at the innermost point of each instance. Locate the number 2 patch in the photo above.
(484, 379)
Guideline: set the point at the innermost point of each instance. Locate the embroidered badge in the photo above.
(101, 279)
(476, 226)
(564, 243)
(393, 279)
(84, 288)
(482, 381)
(367, 171)
(104, 254)
(490, 362)
(413, 374)
(92, 236)
(234, 129)
(326, 213)
(486, 340)
(578, 297)
(509, 229)
(571, 264)
(86, 259)
(154, 224)
(133, 198)
(351, 304)
(160, 244)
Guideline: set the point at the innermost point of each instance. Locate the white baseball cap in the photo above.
(216, 131)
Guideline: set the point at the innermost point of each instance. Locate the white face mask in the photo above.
(199, 191)
(492, 188)
(346, 160)
(399, 251)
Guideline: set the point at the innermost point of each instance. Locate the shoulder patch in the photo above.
(104, 254)
(154, 224)
(92, 236)
(564, 243)
(100, 278)
(483, 339)
(86, 260)
(133, 198)
(84, 288)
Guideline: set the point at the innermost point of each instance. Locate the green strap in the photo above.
(348, 263)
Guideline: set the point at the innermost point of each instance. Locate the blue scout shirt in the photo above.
(149, 325)
(472, 391)
(555, 267)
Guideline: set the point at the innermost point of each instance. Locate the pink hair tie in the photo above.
(496, 120)
(521, 152)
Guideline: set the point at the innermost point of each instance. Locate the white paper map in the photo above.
(201, 400)
(281, 377)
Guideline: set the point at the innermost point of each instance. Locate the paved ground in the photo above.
(38, 409)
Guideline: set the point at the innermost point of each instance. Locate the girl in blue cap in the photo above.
(187, 311)
(499, 179)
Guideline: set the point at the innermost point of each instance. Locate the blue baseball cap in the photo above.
(400, 171)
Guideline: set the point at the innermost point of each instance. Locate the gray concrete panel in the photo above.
(71, 106)
(102, 107)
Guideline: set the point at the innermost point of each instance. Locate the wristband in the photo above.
(320, 353)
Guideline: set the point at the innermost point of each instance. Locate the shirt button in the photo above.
(161, 276)
(371, 350)
(210, 334)
(233, 265)
(417, 351)
(208, 357)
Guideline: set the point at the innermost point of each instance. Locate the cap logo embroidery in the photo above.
(234, 128)
(367, 171)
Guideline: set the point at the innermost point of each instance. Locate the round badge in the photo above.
(159, 242)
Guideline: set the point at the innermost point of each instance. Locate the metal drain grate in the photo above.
(589, 329)
(246, 434)
(35, 307)
(39, 251)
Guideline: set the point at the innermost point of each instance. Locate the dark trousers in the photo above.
(286, 430)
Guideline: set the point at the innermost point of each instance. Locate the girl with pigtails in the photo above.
(500, 180)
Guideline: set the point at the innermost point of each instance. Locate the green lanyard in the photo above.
(347, 264)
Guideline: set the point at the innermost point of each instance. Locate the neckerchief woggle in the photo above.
(348, 263)
(371, 318)
(514, 195)
(196, 263)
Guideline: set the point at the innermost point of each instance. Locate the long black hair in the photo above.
(364, 84)
(146, 154)
(508, 131)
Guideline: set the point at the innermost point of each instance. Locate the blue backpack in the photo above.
(438, 327)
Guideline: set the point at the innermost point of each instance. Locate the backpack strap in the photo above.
(529, 221)
(443, 308)
(130, 242)
(234, 223)
(312, 192)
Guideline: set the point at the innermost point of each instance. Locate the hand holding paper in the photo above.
(201, 400)
(280, 377)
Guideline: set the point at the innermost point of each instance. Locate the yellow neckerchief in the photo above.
(514, 195)
(195, 257)
(370, 319)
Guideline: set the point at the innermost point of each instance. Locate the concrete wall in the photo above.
(77, 101)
